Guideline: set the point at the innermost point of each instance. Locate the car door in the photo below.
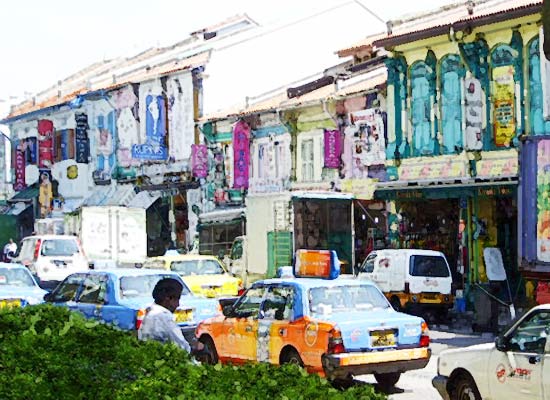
(91, 297)
(67, 291)
(517, 372)
(241, 328)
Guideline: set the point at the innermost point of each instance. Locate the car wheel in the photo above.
(387, 380)
(395, 303)
(464, 388)
(210, 355)
(291, 356)
(343, 383)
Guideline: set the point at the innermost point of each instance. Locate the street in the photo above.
(417, 385)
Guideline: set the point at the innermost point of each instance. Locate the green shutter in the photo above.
(279, 251)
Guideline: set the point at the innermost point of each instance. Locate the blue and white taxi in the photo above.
(18, 287)
(336, 327)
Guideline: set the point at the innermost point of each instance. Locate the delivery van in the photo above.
(411, 279)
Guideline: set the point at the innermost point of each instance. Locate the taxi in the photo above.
(204, 275)
(516, 366)
(18, 287)
(335, 327)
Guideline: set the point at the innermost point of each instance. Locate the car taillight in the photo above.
(335, 342)
(425, 335)
(37, 249)
(140, 314)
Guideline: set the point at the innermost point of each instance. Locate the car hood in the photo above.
(358, 328)
(32, 294)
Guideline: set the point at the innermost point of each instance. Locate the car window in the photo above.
(249, 304)
(346, 298)
(154, 264)
(237, 250)
(278, 303)
(93, 290)
(431, 266)
(530, 336)
(59, 247)
(27, 249)
(143, 285)
(368, 264)
(66, 291)
(16, 277)
(197, 267)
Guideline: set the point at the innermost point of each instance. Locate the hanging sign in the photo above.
(155, 131)
(82, 150)
(45, 143)
(199, 160)
(19, 169)
(241, 152)
(503, 113)
(333, 148)
(316, 264)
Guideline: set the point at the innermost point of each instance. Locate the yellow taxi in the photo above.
(204, 275)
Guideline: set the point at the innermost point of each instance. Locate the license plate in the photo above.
(382, 338)
(184, 315)
(10, 303)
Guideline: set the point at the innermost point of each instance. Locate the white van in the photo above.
(410, 278)
(52, 257)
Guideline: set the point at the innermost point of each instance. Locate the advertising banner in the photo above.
(333, 148)
(199, 160)
(503, 112)
(241, 158)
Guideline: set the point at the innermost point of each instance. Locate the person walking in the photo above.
(159, 324)
(9, 250)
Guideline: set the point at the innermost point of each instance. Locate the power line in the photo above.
(369, 11)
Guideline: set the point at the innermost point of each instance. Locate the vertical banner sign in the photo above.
(504, 89)
(241, 151)
(82, 150)
(473, 98)
(45, 143)
(543, 201)
(19, 169)
(333, 149)
(154, 147)
(199, 160)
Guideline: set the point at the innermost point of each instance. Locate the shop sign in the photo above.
(19, 170)
(82, 143)
(333, 148)
(154, 147)
(498, 164)
(199, 160)
(241, 155)
(316, 264)
(433, 168)
(503, 113)
(491, 191)
(362, 189)
(45, 143)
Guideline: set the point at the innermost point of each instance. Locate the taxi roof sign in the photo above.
(316, 264)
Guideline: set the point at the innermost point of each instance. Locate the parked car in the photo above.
(516, 366)
(335, 327)
(120, 296)
(204, 275)
(411, 279)
(52, 258)
(18, 287)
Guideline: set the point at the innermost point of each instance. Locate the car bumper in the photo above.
(348, 364)
(440, 383)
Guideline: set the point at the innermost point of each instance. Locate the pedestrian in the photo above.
(9, 250)
(159, 324)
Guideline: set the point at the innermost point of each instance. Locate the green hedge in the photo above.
(47, 352)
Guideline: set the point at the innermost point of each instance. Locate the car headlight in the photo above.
(31, 300)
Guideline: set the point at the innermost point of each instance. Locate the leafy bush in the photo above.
(47, 352)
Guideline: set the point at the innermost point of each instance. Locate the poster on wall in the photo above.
(241, 155)
(333, 148)
(543, 200)
(154, 147)
(45, 143)
(504, 100)
(367, 141)
(199, 160)
(82, 151)
(474, 97)
(105, 147)
(181, 123)
(127, 128)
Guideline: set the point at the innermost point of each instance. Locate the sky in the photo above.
(45, 41)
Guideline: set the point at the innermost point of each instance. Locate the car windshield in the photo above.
(346, 298)
(27, 249)
(197, 267)
(143, 285)
(59, 247)
(15, 277)
(432, 266)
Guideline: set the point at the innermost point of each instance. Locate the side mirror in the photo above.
(501, 343)
(47, 297)
(228, 311)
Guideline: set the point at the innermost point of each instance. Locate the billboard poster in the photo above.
(199, 160)
(45, 143)
(154, 147)
(367, 141)
(473, 97)
(241, 155)
(543, 200)
(503, 109)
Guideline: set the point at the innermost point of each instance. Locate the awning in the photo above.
(26, 195)
(14, 208)
(322, 195)
(115, 195)
(225, 215)
(144, 200)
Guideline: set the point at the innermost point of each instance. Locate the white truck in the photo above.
(516, 366)
(411, 278)
(114, 236)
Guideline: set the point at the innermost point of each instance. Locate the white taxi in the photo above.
(516, 366)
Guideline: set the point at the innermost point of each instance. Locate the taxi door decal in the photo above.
(262, 343)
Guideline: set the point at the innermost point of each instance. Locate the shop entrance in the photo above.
(370, 223)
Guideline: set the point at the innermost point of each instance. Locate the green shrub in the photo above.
(46, 353)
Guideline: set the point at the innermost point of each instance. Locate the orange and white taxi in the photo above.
(335, 327)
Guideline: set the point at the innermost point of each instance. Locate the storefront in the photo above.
(218, 229)
(370, 223)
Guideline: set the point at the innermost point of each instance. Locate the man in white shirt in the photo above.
(158, 323)
(10, 247)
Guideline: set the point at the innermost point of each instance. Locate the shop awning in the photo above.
(144, 200)
(25, 195)
(14, 208)
(221, 216)
(322, 195)
(119, 195)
